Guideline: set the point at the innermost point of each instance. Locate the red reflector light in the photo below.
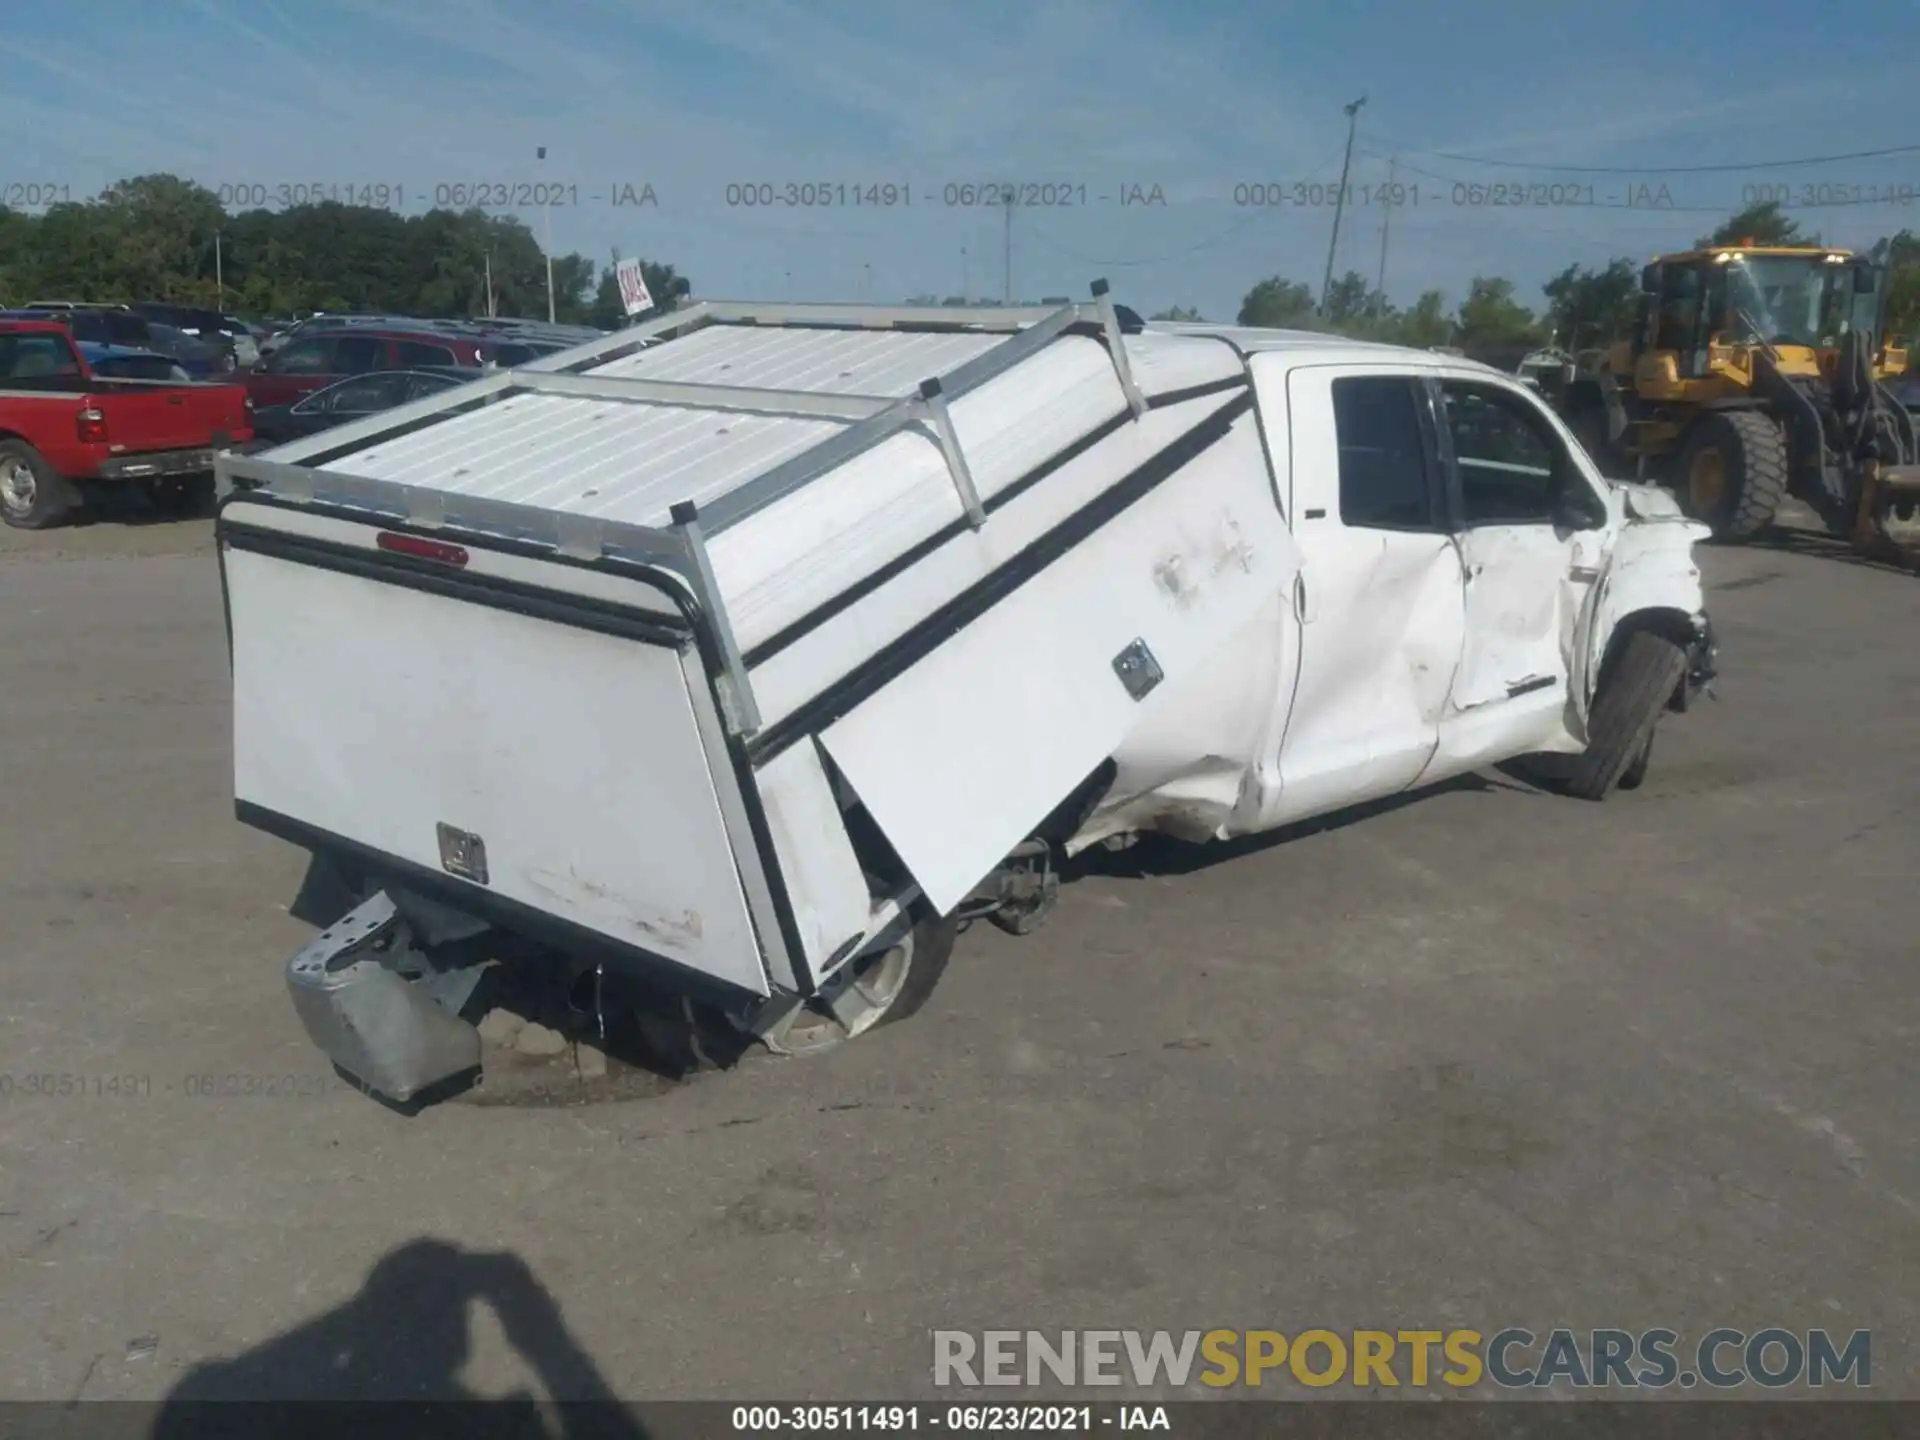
(91, 425)
(422, 548)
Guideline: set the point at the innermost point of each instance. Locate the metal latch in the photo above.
(462, 853)
(1138, 670)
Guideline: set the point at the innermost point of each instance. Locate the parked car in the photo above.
(201, 360)
(349, 399)
(91, 324)
(754, 762)
(224, 333)
(312, 324)
(73, 417)
(509, 353)
(120, 362)
(318, 359)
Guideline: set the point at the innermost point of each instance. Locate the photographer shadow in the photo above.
(391, 1357)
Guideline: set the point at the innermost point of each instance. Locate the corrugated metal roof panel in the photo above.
(631, 462)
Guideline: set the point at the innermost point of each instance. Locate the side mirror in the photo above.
(1580, 509)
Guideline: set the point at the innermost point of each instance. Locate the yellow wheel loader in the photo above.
(1754, 373)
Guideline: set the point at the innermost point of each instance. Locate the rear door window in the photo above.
(357, 354)
(415, 352)
(1386, 481)
(305, 357)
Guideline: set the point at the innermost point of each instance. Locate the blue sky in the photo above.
(1200, 98)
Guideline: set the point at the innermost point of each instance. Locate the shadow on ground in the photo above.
(1155, 855)
(1821, 546)
(406, 1337)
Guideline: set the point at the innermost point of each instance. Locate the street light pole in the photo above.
(548, 207)
(1339, 201)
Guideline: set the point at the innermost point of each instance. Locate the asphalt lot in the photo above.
(1488, 1058)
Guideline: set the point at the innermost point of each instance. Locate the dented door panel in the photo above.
(1381, 635)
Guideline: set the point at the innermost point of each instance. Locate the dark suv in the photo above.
(319, 359)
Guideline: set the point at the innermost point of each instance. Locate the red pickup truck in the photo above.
(77, 416)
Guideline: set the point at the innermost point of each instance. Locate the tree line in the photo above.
(1585, 306)
(158, 237)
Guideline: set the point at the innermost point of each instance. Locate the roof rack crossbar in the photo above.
(1025, 341)
(810, 404)
(566, 532)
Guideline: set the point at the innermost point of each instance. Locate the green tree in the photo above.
(1593, 307)
(1351, 301)
(1765, 224)
(158, 237)
(1490, 316)
(1275, 303)
(1176, 314)
(1427, 324)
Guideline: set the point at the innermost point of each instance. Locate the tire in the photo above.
(1731, 472)
(181, 495)
(929, 945)
(1636, 770)
(1633, 693)
(33, 496)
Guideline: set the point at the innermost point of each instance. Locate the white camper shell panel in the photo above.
(377, 713)
(828, 532)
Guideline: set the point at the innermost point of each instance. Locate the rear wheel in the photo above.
(875, 989)
(1638, 682)
(1731, 472)
(32, 495)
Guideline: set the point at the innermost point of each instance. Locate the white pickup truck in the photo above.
(739, 655)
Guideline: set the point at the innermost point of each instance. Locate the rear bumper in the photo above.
(156, 464)
(388, 1032)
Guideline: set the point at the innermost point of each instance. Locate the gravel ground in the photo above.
(1484, 1058)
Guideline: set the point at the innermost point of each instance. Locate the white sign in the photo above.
(633, 288)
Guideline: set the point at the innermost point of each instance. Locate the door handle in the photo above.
(1473, 571)
(1304, 610)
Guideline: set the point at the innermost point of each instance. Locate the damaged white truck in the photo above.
(738, 656)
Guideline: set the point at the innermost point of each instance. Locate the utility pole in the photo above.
(1007, 197)
(966, 279)
(1340, 200)
(541, 154)
(219, 271)
(1386, 219)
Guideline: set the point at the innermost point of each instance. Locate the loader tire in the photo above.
(1731, 472)
(1634, 691)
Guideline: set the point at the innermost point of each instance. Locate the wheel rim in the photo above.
(1706, 482)
(852, 1002)
(17, 486)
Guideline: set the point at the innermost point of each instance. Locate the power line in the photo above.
(1651, 169)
